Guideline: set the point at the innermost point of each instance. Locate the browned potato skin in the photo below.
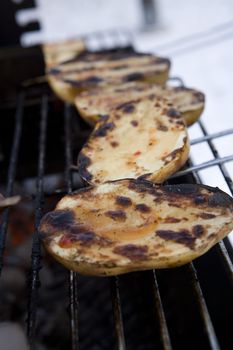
(93, 103)
(130, 225)
(68, 84)
(160, 137)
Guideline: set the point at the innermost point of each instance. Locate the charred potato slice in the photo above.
(130, 225)
(144, 138)
(93, 103)
(91, 70)
(55, 53)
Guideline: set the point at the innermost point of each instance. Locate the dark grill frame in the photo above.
(34, 283)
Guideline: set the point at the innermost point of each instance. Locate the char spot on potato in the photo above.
(134, 122)
(83, 238)
(140, 185)
(173, 113)
(132, 251)
(58, 220)
(207, 216)
(152, 97)
(162, 127)
(161, 60)
(123, 201)
(127, 107)
(198, 230)
(92, 80)
(116, 215)
(199, 200)
(83, 163)
(103, 129)
(143, 208)
(221, 200)
(54, 71)
(171, 220)
(114, 144)
(185, 189)
(183, 237)
(133, 77)
(199, 97)
(104, 117)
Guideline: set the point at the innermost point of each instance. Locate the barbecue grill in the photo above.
(189, 307)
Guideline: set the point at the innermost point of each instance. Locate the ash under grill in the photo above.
(189, 307)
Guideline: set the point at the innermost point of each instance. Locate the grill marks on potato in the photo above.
(93, 103)
(130, 144)
(92, 70)
(130, 225)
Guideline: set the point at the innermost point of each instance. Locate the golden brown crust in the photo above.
(142, 138)
(93, 103)
(129, 225)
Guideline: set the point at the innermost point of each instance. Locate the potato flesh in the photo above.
(56, 53)
(139, 139)
(96, 102)
(129, 225)
(96, 70)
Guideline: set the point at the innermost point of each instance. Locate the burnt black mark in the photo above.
(104, 117)
(173, 113)
(114, 144)
(83, 163)
(220, 199)
(184, 189)
(183, 237)
(171, 220)
(198, 230)
(132, 252)
(58, 220)
(143, 208)
(133, 77)
(103, 129)
(92, 80)
(162, 60)
(140, 185)
(54, 71)
(199, 96)
(134, 123)
(127, 107)
(116, 215)
(162, 127)
(123, 66)
(123, 201)
(207, 216)
(82, 237)
(199, 199)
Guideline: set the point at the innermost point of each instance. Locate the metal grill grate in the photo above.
(167, 334)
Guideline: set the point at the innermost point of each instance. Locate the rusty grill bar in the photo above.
(165, 336)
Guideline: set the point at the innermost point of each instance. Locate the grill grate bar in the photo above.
(117, 314)
(12, 171)
(73, 283)
(204, 313)
(216, 161)
(221, 246)
(208, 137)
(163, 330)
(36, 251)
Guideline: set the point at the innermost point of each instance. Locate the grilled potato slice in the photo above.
(93, 103)
(55, 53)
(129, 225)
(106, 69)
(143, 138)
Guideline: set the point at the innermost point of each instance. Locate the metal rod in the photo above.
(11, 172)
(202, 166)
(208, 137)
(163, 330)
(73, 287)
(221, 246)
(36, 252)
(204, 313)
(117, 314)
